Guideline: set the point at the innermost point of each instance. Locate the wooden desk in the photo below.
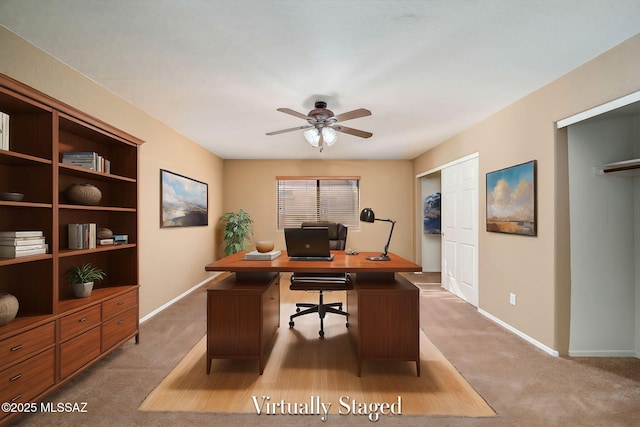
(384, 315)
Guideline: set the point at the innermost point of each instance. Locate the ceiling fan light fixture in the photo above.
(312, 136)
(329, 135)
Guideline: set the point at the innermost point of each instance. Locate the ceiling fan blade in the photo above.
(349, 115)
(277, 132)
(351, 131)
(293, 113)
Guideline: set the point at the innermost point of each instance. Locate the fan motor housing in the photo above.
(320, 113)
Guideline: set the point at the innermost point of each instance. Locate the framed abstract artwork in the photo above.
(511, 200)
(431, 214)
(183, 201)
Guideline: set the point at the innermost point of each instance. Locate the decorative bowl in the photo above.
(8, 308)
(11, 197)
(264, 246)
(104, 233)
(83, 194)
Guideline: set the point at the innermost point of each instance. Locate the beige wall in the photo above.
(171, 260)
(385, 186)
(536, 269)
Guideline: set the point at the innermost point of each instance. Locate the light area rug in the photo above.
(304, 372)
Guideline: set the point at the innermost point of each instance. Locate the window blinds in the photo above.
(317, 199)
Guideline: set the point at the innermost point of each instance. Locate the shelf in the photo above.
(105, 248)
(98, 295)
(13, 158)
(26, 204)
(97, 208)
(83, 172)
(23, 322)
(24, 259)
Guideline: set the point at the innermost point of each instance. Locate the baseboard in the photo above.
(521, 334)
(178, 298)
(603, 353)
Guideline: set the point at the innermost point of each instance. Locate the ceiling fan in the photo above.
(322, 125)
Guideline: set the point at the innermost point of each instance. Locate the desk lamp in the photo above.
(367, 215)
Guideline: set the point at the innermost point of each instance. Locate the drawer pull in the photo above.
(84, 319)
(16, 348)
(14, 378)
(120, 302)
(120, 322)
(15, 398)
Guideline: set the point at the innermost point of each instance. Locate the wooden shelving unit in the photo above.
(41, 348)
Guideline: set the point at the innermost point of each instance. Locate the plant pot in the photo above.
(82, 290)
(8, 308)
(83, 194)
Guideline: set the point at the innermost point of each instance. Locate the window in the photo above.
(334, 199)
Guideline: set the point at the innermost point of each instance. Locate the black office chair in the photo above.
(321, 282)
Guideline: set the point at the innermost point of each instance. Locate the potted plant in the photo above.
(82, 278)
(237, 228)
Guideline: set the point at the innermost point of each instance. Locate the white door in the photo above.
(459, 207)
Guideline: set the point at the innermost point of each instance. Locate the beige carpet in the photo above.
(305, 371)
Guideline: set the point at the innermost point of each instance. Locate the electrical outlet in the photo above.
(512, 299)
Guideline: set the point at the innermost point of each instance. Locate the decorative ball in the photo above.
(83, 194)
(264, 246)
(104, 233)
(8, 308)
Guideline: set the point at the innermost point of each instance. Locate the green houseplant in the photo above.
(82, 278)
(237, 228)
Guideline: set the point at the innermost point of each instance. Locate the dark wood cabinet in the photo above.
(243, 316)
(56, 335)
(384, 320)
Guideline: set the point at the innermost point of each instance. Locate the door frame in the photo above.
(419, 201)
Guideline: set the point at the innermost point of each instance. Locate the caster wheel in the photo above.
(346, 324)
(321, 333)
(291, 324)
(298, 310)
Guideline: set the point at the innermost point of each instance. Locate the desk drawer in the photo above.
(119, 304)
(26, 380)
(80, 321)
(118, 328)
(23, 345)
(79, 351)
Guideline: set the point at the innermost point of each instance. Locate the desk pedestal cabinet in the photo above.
(384, 321)
(243, 316)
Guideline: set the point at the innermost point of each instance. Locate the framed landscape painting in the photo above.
(511, 200)
(183, 202)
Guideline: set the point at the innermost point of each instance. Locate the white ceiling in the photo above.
(216, 70)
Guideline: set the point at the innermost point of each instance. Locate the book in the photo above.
(81, 236)
(25, 233)
(16, 251)
(88, 160)
(21, 241)
(4, 131)
(120, 239)
(262, 256)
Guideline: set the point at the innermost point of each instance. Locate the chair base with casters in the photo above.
(319, 283)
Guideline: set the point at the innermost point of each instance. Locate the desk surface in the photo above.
(342, 263)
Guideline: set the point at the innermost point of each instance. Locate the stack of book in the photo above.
(82, 236)
(88, 160)
(4, 131)
(15, 244)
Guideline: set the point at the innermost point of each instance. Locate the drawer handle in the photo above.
(15, 398)
(120, 322)
(17, 377)
(84, 319)
(120, 302)
(16, 348)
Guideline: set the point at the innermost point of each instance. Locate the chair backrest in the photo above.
(337, 233)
